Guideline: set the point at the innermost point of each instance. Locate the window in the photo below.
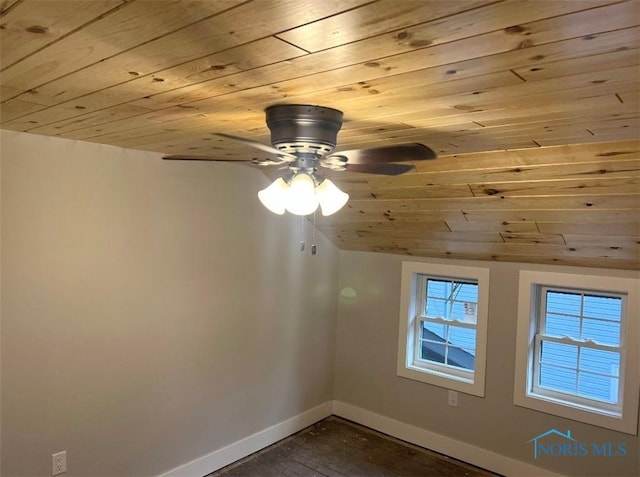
(443, 325)
(576, 349)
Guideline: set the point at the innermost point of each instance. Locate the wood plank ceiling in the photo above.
(532, 106)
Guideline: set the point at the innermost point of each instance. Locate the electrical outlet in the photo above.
(59, 463)
(453, 398)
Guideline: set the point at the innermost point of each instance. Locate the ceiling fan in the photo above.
(303, 138)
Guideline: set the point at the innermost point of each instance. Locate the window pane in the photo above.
(557, 325)
(457, 311)
(599, 361)
(433, 331)
(438, 308)
(438, 288)
(606, 308)
(605, 332)
(452, 300)
(559, 379)
(598, 387)
(468, 292)
(432, 351)
(460, 358)
(564, 303)
(463, 337)
(560, 354)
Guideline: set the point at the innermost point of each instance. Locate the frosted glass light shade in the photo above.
(302, 199)
(275, 196)
(331, 198)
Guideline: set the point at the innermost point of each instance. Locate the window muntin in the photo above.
(577, 351)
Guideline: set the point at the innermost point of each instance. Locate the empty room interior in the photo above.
(224, 221)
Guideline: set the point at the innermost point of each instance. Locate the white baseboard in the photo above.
(244, 447)
(415, 435)
(439, 443)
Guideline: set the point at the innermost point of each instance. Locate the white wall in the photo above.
(367, 340)
(152, 311)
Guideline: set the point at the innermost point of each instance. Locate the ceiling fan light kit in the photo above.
(304, 137)
(331, 198)
(302, 195)
(274, 197)
(302, 198)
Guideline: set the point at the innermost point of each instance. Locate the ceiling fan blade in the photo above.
(381, 155)
(380, 169)
(258, 145)
(252, 162)
(180, 157)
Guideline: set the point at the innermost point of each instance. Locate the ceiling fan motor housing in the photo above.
(303, 128)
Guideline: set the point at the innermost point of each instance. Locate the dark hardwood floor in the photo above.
(335, 447)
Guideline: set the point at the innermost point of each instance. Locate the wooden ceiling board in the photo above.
(7, 5)
(535, 157)
(628, 229)
(264, 51)
(503, 226)
(570, 187)
(604, 62)
(368, 49)
(551, 202)
(110, 36)
(470, 18)
(147, 102)
(31, 26)
(371, 20)
(610, 167)
(532, 107)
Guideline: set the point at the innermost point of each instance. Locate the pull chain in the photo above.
(313, 234)
(302, 244)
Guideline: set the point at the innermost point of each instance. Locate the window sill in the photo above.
(436, 378)
(576, 412)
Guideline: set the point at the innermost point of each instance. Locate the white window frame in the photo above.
(414, 276)
(622, 417)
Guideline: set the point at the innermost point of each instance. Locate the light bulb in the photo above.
(331, 198)
(302, 199)
(274, 197)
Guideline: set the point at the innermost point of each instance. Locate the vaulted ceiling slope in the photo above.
(532, 106)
